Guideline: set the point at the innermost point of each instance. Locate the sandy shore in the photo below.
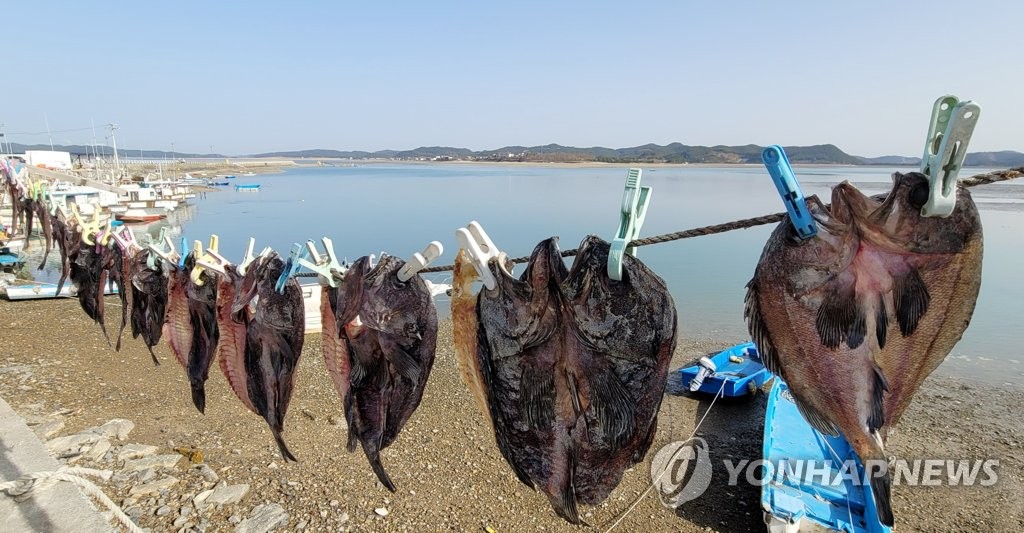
(449, 474)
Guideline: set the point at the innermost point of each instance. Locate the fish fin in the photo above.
(563, 501)
(880, 386)
(614, 408)
(840, 318)
(759, 330)
(350, 420)
(393, 352)
(881, 325)
(881, 488)
(378, 468)
(199, 396)
(911, 299)
(816, 419)
(537, 394)
(285, 453)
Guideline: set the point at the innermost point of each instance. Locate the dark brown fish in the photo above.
(273, 343)
(574, 367)
(202, 315)
(120, 276)
(90, 276)
(389, 333)
(855, 318)
(46, 221)
(149, 301)
(69, 242)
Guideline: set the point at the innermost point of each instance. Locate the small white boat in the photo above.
(39, 291)
(138, 215)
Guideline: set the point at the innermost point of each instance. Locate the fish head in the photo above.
(897, 225)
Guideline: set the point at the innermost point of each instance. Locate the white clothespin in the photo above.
(420, 260)
(437, 289)
(248, 258)
(949, 132)
(327, 267)
(481, 250)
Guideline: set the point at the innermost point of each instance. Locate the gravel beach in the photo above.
(178, 470)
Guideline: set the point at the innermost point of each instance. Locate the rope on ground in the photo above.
(980, 179)
(74, 475)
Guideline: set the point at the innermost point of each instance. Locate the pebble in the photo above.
(163, 511)
(136, 451)
(186, 510)
(146, 475)
(323, 513)
(234, 519)
(209, 475)
(70, 443)
(180, 521)
(333, 420)
(49, 428)
(98, 451)
(158, 461)
(135, 513)
(118, 428)
(381, 511)
(334, 503)
(343, 518)
(153, 486)
(225, 494)
(264, 518)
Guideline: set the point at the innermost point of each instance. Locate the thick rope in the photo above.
(980, 179)
(28, 482)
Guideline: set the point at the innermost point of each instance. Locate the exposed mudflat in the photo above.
(58, 372)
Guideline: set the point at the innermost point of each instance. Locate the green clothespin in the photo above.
(949, 132)
(633, 211)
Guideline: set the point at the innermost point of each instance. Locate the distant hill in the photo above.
(822, 154)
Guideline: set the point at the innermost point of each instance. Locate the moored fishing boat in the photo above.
(247, 187)
(138, 215)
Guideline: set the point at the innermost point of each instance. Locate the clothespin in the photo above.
(184, 252)
(90, 228)
(328, 267)
(162, 248)
(632, 214)
(481, 250)
(124, 238)
(291, 267)
(420, 260)
(777, 163)
(949, 132)
(204, 257)
(248, 258)
(103, 237)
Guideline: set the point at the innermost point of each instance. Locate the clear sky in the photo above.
(254, 76)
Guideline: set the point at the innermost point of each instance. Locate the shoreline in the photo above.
(445, 463)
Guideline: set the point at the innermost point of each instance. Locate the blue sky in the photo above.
(247, 77)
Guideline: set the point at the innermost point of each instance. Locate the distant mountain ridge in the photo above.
(648, 153)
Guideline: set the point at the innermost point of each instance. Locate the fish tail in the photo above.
(199, 396)
(282, 446)
(563, 498)
(877, 471)
(378, 468)
(103, 328)
(156, 361)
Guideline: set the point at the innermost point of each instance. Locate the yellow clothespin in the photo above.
(205, 258)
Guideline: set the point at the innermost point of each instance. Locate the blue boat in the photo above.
(220, 183)
(796, 498)
(248, 187)
(229, 177)
(9, 262)
(735, 371)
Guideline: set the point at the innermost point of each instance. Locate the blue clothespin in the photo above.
(777, 163)
(633, 211)
(326, 267)
(291, 267)
(184, 253)
(949, 132)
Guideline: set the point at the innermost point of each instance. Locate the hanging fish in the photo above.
(388, 330)
(261, 367)
(191, 326)
(46, 221)
(89, 274)
(120, 277)
(336, 356)
(149, 301)
(856, 318)
(68, 241)
(574, 365)
(464, 331)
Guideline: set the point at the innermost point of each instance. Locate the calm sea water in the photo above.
(399, 208)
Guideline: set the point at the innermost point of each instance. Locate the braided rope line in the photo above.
(980, 179)
(74, 475)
